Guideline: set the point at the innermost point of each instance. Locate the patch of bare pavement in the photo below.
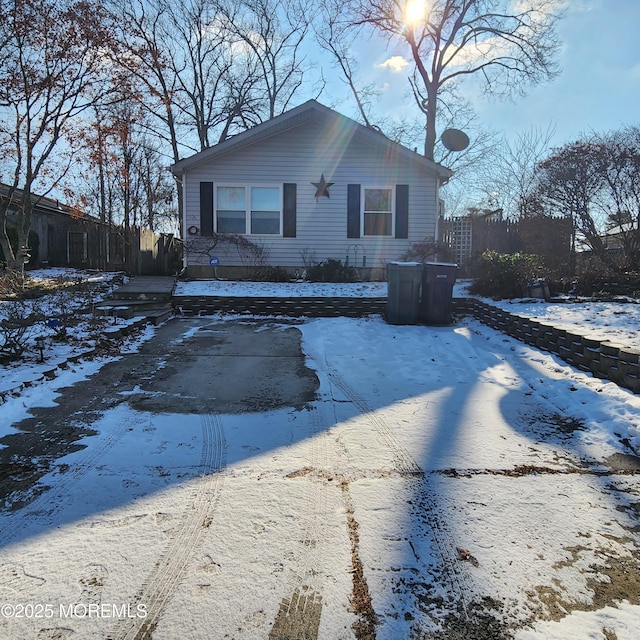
(216, 370)
(226, 368)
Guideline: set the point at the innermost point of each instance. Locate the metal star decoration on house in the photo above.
(322, 187)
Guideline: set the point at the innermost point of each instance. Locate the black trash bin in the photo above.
(403, 292)
(438, 279)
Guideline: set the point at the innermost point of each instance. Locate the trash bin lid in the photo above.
(442, 264)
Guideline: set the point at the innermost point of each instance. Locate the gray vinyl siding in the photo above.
(301, 156)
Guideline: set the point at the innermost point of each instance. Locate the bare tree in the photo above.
(129, 183)
(335, 34)
(569, 181)
(272, 33)
(177, 55)
(200, 58)
(54, 62)
(509, 180)
(619, 197)
(159, 211)
(507, 46)
(147, 47)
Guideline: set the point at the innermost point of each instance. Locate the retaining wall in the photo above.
(607, 360)
(294, 307)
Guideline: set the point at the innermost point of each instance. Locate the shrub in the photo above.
(331, 270)
(15, 329)
(427, 249)
(501, 275)
(270, 274)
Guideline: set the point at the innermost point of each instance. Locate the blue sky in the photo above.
(598, 88)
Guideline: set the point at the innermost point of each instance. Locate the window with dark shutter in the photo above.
(353, 211)
(206, 208)
(289, 206)
(402, 211)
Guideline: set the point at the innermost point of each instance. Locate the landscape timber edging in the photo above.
(606, 360)
(293, 307)
(603, 359)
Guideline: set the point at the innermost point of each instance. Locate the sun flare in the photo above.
(415, 11)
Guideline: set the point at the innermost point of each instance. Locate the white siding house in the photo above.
(303, 187)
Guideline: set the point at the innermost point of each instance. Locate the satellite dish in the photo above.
(454, 139)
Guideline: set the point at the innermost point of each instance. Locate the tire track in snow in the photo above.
(407, 466)
(405, 463)
(299, 613)
(159, 587)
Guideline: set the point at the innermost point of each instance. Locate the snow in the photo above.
(465, 404)
(615, 322)
(606, 321)
(227, 288)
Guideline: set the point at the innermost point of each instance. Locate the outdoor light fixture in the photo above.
(40, 346)
(193, 230)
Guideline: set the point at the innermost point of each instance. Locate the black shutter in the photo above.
(353, 211)
(206, 208)
(289, 210)
(402, 211)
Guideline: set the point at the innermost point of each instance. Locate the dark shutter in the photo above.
(289, 210)
(402, 211)
(353, 211)
(206, 208)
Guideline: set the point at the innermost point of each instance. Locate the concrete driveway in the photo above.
(227, 485)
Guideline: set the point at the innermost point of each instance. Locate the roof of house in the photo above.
(296, 117)
(42, 203)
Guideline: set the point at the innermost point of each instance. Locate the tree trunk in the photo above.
(431, 134)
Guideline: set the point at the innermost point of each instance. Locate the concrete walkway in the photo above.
(147, 286)
(148, 296)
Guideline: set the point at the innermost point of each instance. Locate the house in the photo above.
(61, 236)
(301, 188)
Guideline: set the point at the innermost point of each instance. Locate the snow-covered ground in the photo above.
(616, 322)
(457, 465)
(67, 327)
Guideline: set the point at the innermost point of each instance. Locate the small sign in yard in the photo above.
(214, 261)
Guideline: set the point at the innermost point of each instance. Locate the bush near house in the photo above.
(502, 275)
(425, 250)
(604, 284)
(332, 270)
(270, 274)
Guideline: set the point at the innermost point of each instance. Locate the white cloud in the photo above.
(397, 64)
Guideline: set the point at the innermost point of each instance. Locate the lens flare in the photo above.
(415, 11)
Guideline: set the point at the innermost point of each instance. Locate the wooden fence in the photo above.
(549, 238)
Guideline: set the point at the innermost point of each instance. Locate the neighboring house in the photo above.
(304, 187)
(65, 237)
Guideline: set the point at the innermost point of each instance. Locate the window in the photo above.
(378, 211)
(248, 209)
(231, 210)
(265, 210)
